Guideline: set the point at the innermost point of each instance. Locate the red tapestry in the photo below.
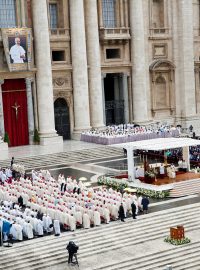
(15, 111)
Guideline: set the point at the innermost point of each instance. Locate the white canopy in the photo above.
(159, 144)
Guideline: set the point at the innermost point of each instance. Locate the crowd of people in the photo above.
(174, 155)
(124, 129)
(129, 132)
(36, 205)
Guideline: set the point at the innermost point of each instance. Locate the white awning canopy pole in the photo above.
(131, 163)
(186, 156)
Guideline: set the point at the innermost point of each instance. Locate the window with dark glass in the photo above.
(108, 11)
(53, 14)
(112, 53)
(7, 13)
(58, 56)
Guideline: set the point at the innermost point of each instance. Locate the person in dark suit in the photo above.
(12, 162)
(121, 213)
(145, 204)
(133, 208)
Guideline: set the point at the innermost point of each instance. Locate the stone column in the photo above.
(103, 97)
(125, 94)
(30, 109)
(183, 50)
(186, 156)
(2, 129)
(3, 145)
(130, 98)
(186, 57)
(197, 87)
(126, 13)
(79, 65)
(94, 62)
(121, 5)
(100, 13)
(47, 131)
(23, 14)
(139, 70)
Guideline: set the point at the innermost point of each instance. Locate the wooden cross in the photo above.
(16, 107)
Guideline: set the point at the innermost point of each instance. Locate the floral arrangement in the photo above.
(177, 242)
(195, 170)
(121, 184)
(112, 182)
(153, 193)
(18, 168)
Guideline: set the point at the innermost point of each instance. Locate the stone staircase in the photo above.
(185, 188)
(135, 244)
(66, 158)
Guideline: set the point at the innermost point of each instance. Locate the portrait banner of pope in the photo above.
(17, 46)
(17, 49)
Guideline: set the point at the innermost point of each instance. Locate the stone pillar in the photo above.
(103, 97)
(100, 13)
(23, 14)
(47, 131)
(79, 65)
(139, 71)
(30, 109)
(121, 8)
(125, 94)
(2, 129)
(197, 87)
(186, 57)
(130, 98)
(126, 13)
(3, 146)
(94, 73)
(186, 156)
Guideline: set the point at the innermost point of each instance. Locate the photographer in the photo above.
(72, 250)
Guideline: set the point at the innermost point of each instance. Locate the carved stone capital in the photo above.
(103, 76)
(28, 82)
(1, 81)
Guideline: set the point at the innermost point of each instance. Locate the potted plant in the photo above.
(36, 137)
(6, 138)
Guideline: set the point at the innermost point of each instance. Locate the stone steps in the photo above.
(65, 157)
(40, 253)
(157, 260)
(185, 188)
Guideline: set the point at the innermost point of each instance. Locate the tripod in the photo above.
(76, 259)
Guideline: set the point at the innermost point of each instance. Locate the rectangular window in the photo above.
(112, 53)
(53, 14)
(58, 56)
(7, 13)
(108, 11)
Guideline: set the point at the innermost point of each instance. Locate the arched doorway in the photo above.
(62, 122)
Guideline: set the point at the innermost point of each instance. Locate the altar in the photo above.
(156, 145)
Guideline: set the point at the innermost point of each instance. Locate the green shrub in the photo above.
(6, 138)
(36, 137)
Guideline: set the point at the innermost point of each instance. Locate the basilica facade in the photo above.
(91, 63)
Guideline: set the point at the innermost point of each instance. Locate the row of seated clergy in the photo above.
(182, 165)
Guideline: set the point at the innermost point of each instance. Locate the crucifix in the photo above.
(16, 107)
